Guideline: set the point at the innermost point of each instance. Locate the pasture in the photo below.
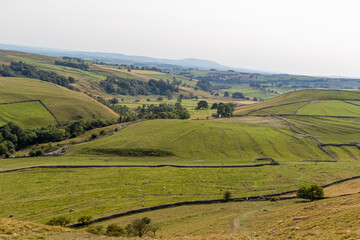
(225, 141)
(27, 114)
(104, 191)
(64, 103)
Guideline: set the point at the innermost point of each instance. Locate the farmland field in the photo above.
(225, 141)
(64, 103)
(330, 108)
(26, 114)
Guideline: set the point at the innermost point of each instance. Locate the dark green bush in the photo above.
(59, 221)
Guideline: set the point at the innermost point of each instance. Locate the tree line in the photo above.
(82, 66)
(13, 137)
(22, 69)
(125, 86)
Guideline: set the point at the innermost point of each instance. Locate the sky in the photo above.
(312, 37)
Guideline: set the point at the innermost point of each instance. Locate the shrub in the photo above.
(93, 136)
(59, 221)
(115, 230)
(39, 152)
(102, 132)
(274, 199)
(97, 230)
(86, 220)
(227, 196)
(312, 192)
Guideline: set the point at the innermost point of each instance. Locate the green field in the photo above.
(328, 130)
(101, 192)
(27, 114)
(301, 96)
(330, 108)
(225, 141)
(64, 103)
(104, 191)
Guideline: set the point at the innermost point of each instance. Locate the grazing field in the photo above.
(64, 103)
(300, 96)
(338, 217)
(27, 114)
(225, 141)
(104, 191)
(328, 130)
(330, 108)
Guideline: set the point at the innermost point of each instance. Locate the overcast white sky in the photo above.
(314, 37)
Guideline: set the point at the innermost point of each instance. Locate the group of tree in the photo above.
(81, 65)
(125, 86)
(137, 228)
(205, 85)
(223, 109)
(163, 110)
(22, 69)
(238, 95)
(13, 137)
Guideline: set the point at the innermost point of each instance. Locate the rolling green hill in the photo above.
(290, 103)
(64, 103)
(226, 141)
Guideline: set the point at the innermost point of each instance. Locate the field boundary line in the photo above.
(273, 162)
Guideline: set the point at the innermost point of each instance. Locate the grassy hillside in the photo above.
(104, 191)
(27, 115)
(222, 140)
(64, 103)
(12, 229)
(335, 218)
(300, 96)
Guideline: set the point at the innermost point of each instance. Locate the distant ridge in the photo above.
(118, 58)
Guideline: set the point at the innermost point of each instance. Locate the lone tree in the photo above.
(227, 196)
(139, 227)
(225, 109)
(202, 105)
(312, 192)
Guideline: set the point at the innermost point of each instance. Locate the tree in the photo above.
(237, 95)
(214, 106)
(227, 196)
(226, 94)
(312, 192)
(202, 105)
(3, 150)
(225, 109)
(139, 227)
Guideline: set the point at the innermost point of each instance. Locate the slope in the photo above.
(295, 99)
(64, 103)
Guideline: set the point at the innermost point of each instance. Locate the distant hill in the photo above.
(66, 105)
(292, 102)
(117, 58)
